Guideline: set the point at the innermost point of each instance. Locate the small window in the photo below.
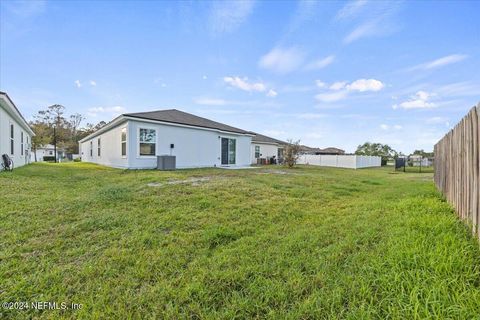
(147, 142)
(91, 148)
(21, 143)
(123, 140)
(98, 146)
(12, 141)
(50, 153)
(257, 152)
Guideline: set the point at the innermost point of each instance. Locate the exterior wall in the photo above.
(193, 147)
(42, 152)
(340, 161)
(266, 151)
(110, 148)
(18, 159)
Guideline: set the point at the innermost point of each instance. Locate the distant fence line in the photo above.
(457, 167)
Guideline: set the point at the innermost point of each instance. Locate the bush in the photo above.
(77, 160)
(49, 158)
(291, 153)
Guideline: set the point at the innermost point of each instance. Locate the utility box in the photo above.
(166, 162)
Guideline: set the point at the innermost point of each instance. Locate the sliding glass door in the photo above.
(228, 151)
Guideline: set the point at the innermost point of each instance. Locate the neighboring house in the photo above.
(317, 151)
(265, 148)
(418, 160)
(134, 140)
(15, 133)
(48, 151)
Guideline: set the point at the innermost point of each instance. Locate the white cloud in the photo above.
(397, 127)
(227, 16)
(93, 83)
(244, 84)
(320, 84)
(272, 93)
(384, 127)
(210, 101)
(78, 84)
(320, 63)
(376, 20)
(204, 77)
(437, 63)
(350, 9)
(331, 97)
(282, 60)
(26, 9)
(436, 120)
(338, 85)
(362, 85)
(341, 89)
(116, 110)
(421, 100)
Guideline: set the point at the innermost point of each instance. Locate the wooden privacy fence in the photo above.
(457, 167)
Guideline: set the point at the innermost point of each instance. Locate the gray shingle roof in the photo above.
(261, 138)
(180, 117)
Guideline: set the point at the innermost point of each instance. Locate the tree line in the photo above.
(53, 126)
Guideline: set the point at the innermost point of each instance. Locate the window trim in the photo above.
(138, 142)
(91, 148)
(257, 152)
(99, 147)
(12, 139)
(22, 145)
(124, 129)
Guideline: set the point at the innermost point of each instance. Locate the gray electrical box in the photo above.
(166, 162)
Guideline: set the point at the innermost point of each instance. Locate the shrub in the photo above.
(292, 153)
(77, 160)
(49, 158)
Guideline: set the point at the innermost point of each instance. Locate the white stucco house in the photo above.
(134, 140)
(264, 148)
(15, 133)
(48, 151)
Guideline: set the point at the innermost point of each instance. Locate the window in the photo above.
(21, 143)
(123, 140)
(50, 153)
(257, 152)
(147, 142)
(228, 151)
(12, 141)
(91, 148)
(98, 146)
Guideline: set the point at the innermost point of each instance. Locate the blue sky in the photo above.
(327, 73)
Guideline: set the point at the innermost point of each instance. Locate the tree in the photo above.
(42, 136)
(424, 154)
(377, 149)
(292, 152)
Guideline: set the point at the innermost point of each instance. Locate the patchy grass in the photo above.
(263, 243)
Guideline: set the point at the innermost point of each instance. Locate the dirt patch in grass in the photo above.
(191, 181)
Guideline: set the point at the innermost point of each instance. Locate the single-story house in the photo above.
(134, 140)
(265, 148)
(15, 133)
(48, 152)
(327, 151)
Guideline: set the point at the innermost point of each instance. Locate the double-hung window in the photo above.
(99, 146)
(123, 140)
(12, 140)
(257, 152)
(21, 143)
(91, 148)
(147, 142)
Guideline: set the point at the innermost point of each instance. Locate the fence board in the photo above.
(457, 168)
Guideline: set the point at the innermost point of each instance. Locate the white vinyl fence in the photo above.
(340, 161)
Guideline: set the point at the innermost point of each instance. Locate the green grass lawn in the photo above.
(210, 243)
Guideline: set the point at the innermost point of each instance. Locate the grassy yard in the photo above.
(210, 243)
